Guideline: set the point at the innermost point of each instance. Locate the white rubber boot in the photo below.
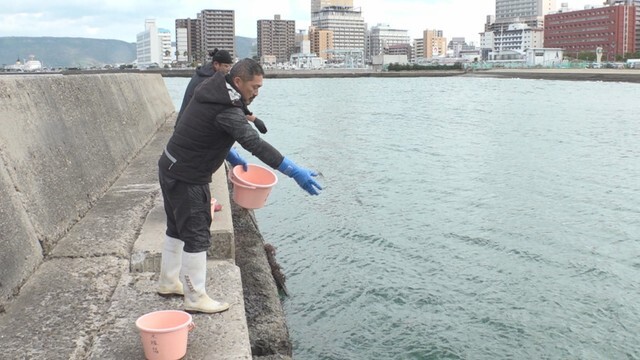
(194, 277)
(170, 267)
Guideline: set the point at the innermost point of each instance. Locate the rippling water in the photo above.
(462, 218)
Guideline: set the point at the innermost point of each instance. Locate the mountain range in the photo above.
(65, 52)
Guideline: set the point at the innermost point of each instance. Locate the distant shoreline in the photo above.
(609, 75)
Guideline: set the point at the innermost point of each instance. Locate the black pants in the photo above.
(188, 209)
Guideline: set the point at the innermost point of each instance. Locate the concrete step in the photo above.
(87, 308)
(215, 336)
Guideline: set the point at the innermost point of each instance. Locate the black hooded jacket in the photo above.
(202, 73)
(210, 124)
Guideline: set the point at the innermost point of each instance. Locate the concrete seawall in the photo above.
(82, 224)
(64, 140)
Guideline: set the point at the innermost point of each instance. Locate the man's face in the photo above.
(224, 68)
(248, 89)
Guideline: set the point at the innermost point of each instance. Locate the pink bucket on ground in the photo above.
(164, 334)
(251, 188)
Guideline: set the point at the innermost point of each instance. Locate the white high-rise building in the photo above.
(531, 12)
(182, 44)
(382, 37)
(148, 45)
(418, 50)
(165, 46)
(317, 5)
(348, 28)
(518, 37)
(153, 46)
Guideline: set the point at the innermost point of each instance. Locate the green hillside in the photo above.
(246, 47)
(56, 52)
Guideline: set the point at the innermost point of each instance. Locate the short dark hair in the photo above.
(246, 69)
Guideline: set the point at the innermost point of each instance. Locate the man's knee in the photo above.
(196, 245)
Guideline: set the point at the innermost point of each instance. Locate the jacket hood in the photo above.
(205, 70)
(216, 90)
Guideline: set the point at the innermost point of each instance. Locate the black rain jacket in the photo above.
(202, 73)
(210, 124)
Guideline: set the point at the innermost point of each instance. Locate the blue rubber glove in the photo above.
(301, 175)
(235, 159)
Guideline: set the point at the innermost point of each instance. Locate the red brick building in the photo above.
(613, 28)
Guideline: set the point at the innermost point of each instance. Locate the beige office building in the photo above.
(218, 30)
(320, 41)
(435, 44)
(277, 37)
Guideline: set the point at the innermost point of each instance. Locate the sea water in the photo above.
(462, 218)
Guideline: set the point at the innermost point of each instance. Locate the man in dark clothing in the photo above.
(220, 61)
(211, 123)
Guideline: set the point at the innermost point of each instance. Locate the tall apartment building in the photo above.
(152, 45)
(165, 46)
(611, 28)
(435, 44)
(418, 49)
(530, 12)
(189, 40)
(218, 30)
(320, 41)
(382, 36)
(277, 37)
(347, 25)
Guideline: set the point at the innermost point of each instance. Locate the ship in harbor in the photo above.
(30, 65)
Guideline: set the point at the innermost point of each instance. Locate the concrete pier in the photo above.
(82, 224)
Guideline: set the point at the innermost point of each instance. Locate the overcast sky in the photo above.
(123, 20)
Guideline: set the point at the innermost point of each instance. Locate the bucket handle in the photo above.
(233, 180)
(192, 326)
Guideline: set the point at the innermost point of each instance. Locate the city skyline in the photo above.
(121, 20)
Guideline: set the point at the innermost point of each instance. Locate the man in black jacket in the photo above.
(210, 124)
(220, 61)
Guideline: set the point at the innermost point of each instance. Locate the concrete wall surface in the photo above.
(63, 141)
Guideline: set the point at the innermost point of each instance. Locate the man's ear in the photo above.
(236, 81)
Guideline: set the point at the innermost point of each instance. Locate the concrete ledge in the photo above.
(222, 238)
(216, 336)
(60, 309)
